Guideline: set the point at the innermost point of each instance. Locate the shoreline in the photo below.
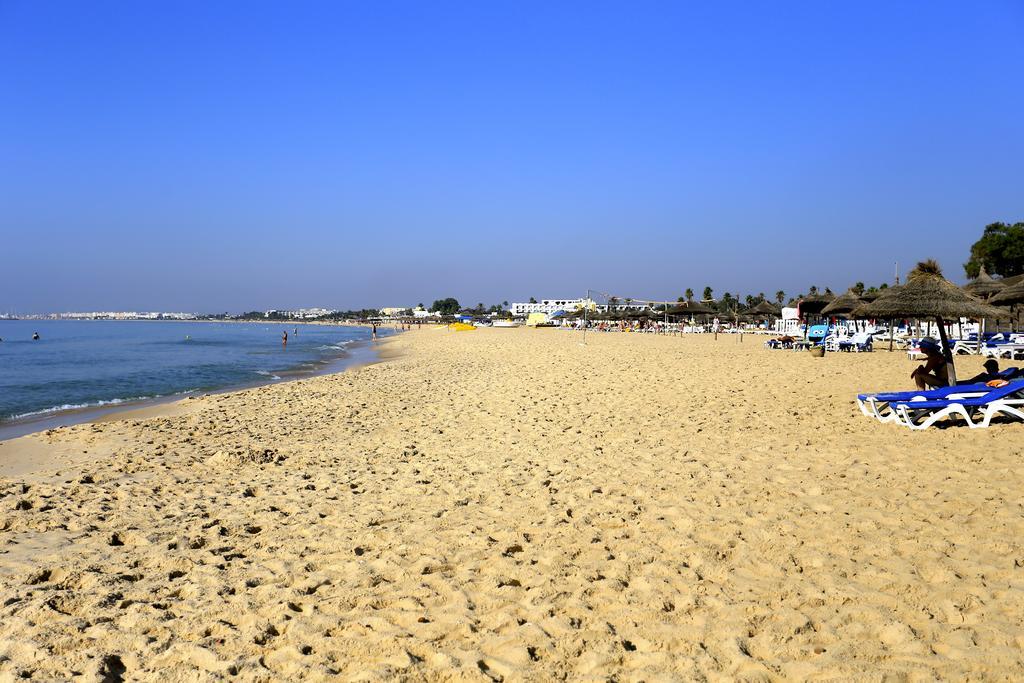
(24, 426)
(25, 455)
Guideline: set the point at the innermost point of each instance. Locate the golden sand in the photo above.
(511, 504)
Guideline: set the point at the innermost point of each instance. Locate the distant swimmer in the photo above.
(374, 335)
(188, 337)
(296, 332)
(284, 338)
(35, 335)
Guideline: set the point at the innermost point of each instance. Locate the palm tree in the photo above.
(813, 290)
(780, 296)
(689, 294)
(707, 293)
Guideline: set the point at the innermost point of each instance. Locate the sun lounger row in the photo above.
(977, 403)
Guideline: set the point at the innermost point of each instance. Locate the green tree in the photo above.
(532, 300)
(449, 306)
(813, 290)
(858, 288)
(1000, 250)
(708, 292)
(689, 294)
(780, 296)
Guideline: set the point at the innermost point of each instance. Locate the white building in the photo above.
(550, 306)
(301, 313)
(393, 311)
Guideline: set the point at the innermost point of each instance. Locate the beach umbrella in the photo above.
(927, 294)
(984, 286)
(691, 308)
(815, 304)
(844, 304)
(765, 308)
(1008, 296)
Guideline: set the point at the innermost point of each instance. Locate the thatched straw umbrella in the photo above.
(929, 295)
(693, 308)
(879, 294)
(1010, 296)
(765, 308)
(983, 286)
(844, 304)
(813, 305)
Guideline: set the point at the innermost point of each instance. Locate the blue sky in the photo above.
(232, 155)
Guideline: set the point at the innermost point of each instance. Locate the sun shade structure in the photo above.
(691, 308)
(929, 295)
(984, 286)
(1008, 296)
(844, 304)
(815, 304)
(764, 308)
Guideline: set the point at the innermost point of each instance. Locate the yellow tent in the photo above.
(462, 327)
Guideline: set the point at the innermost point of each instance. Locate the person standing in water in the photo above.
(284, 338)
(35, 336)
(374, 331)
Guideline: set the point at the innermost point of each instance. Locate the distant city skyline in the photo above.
(237, 156)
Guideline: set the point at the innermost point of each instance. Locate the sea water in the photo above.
(78, 364)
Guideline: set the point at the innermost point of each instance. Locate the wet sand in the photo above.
(511, 504)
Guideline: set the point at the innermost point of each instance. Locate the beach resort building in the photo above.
(550, 306)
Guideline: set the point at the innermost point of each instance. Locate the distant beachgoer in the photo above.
(296, 332)
(374, 331)
(284, 338)
(935, 372)
(35, 335)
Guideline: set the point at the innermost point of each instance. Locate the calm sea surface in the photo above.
(79, 364)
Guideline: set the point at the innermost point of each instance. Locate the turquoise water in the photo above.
(81, 364)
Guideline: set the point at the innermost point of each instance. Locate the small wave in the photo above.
(99, 404)
(79, 406)
(267, 373)
(340, 346)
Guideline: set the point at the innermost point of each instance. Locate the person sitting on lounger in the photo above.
(934, 373)
(991, 372)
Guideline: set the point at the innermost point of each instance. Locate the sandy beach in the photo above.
(511, 504)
